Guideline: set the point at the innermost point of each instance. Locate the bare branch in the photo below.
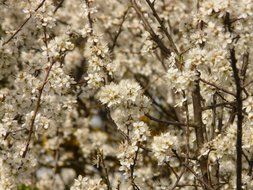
(164, 50)
(217, 87)
(164, 29)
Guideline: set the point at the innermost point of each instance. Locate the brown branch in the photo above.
(58, 6)
(132, 168)
(244, 66)
(166, 122)
(202, 181)
(159, 107)
(214, 116)
(164, 29)
(217, 87)
(13, 132)
(104, 170)
(247, 84)
(239, 111)
(178, 179)
(218, 105)
(161, 60)
(89, 16)
(31, 129)
(114, 43)
(187, 128)
(205, 185)
(199, 129)
(172, 169)
(23, 24)
(164, 50)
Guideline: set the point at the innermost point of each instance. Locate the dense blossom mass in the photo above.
(126, 94)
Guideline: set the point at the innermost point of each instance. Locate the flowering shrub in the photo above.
(133, 94)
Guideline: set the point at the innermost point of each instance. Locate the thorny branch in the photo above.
(239, 113)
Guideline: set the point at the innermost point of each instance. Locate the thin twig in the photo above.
(114, 43)
(132, 168)
(218, 105)
(58, 6)
(247, 84)
(31, 129)
(13, 132)
(172, 169)
(89, 16)
(166, 122)
(244, 66)
(178, 179)
(23, 24)
(198, 178)
(164, 29)
(105, 171)
(217, 87)
(187, 127)
(164, 50)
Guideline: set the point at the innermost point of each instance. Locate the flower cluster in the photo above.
(87, 184)
(137, 94)
(163, 146)
(126, 101)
